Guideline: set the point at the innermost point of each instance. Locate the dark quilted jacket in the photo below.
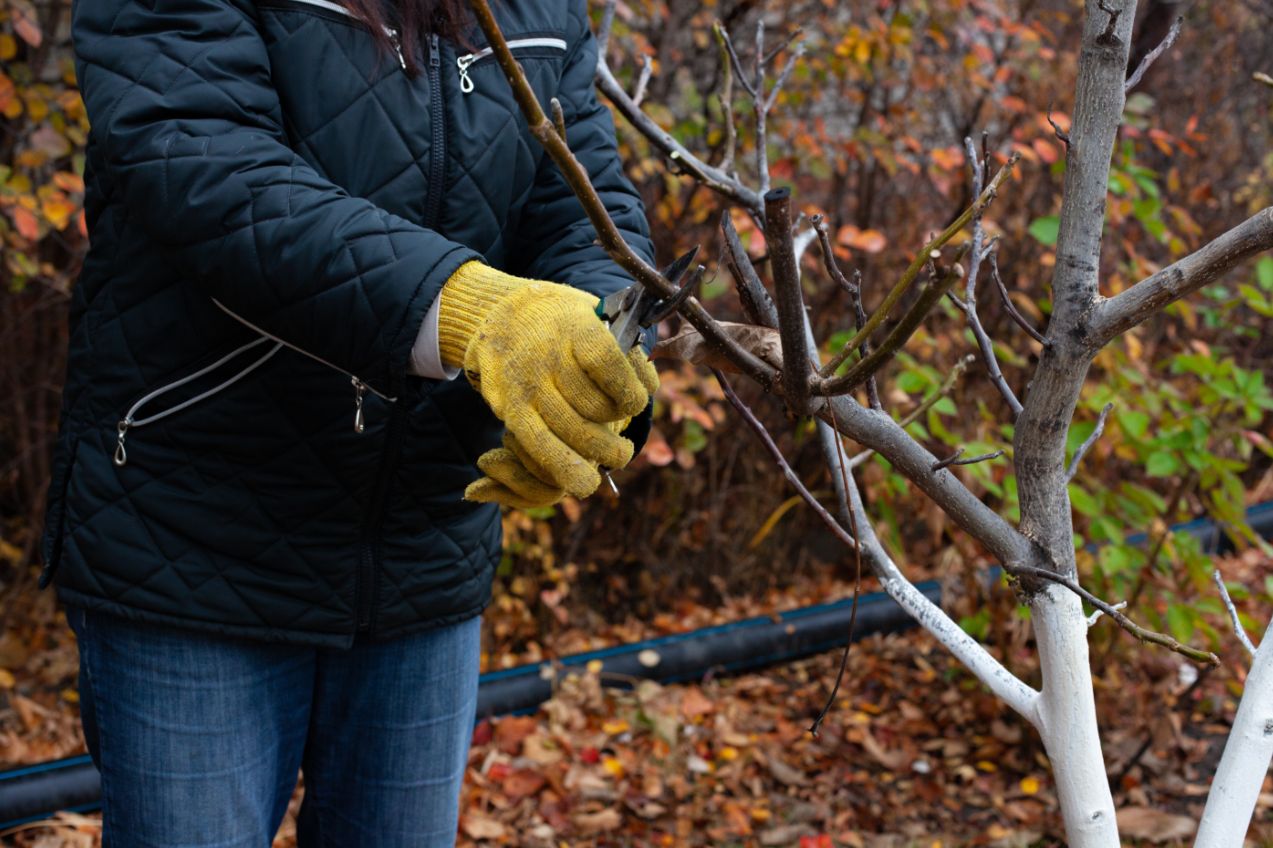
(274, 204)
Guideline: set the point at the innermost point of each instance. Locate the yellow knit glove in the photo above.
(515, 480)
(547, 367)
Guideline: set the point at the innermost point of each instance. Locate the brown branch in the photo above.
(726, 99)
(909, 277)
(757, 304)
(1152, 55)
(1010, 306)
(861, 370)
(1088, 442)
(714, 178)
(1141, 633)
(791, 314)
(853, 289)
(1128, 308)
(608, 235)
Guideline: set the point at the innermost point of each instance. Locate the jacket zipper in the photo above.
(394, 38)
(468, 59)
(131, 421)
(360, 388)
(370, 554)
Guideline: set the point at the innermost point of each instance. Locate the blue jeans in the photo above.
(199, 737)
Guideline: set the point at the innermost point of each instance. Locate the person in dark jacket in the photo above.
(274, 514)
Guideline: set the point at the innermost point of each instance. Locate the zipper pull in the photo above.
(360, 389)
(397, 46)
(121, 455)
(463, 62)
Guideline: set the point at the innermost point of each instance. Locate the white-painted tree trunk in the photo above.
(1067, 720)
(1240, 776)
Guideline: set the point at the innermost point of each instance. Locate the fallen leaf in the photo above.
(690, 345)
(1154, 825)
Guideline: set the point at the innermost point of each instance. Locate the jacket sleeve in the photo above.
(556, 240)
(188, 134)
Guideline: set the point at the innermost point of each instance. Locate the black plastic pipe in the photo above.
(35, 792)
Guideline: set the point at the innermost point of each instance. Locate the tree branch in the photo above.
(1238, 630)
(1152, 55)
(1087, 443)
(1125, 310)
(791, 314)
(757, 304)
(1010, 306)
(608, 235)
(912, 272)
(1141, 633)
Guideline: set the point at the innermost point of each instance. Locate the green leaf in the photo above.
(1083, 502)
(1134, 424)
(1264, 273)
(1180, 621)
(1114, 559)
(1161, 464)
(1046, 229)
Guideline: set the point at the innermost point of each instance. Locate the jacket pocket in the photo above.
(545, 45)
(55, 513)
(223, 373)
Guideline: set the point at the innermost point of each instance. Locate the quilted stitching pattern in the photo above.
(271, 159)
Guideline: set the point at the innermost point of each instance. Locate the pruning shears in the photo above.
(629, 312)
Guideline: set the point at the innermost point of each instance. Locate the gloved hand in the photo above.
(549, 369)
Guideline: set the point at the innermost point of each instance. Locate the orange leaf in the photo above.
(27, 224)
(869, 241)
(25, 22)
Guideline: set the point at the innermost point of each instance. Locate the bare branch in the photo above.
(1009, 305)
(761, 110)
(1087, 443)
(714, 178)
(854, 290)
(1152, 55)
(956, 458)
(608, 235)
(757, 304)
(1096, 616)
(926, 404)
(861, 370)
(647, 70)
(917, 264)
(726, 98)
(1141, 633)
(735, 62)
(783, 76)
(1233, 613)
(1128, 308)
(786, 273)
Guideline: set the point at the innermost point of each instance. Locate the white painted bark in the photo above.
(1067, 720)
(1247, 752)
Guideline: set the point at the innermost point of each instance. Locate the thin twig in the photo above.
(864, 368)
(1096, 616)
(758, 104)
(643, 81)
(1087, 443)
(726, 99)
(969, 304)
(926, 404)
(839, 466)
(757, 304)
(787, 471)
(853, 288)
(1152, 55)
(1141, 633)
(1010, 306)
(736, 63)
(1233, 613)
(957, 458)
(910, 275)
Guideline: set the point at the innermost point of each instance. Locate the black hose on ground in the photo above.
(34, 792)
